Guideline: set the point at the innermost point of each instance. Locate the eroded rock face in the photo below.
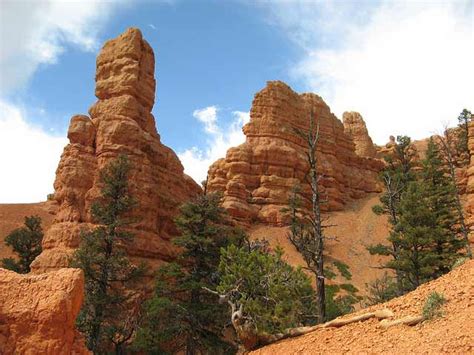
(354, 127)
(120, 122)
(257, 176)
(470, 180)
(38, 312)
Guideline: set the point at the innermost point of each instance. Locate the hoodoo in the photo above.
(256, 177)
(120, 122)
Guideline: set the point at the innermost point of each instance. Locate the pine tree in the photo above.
(340, 297)
(396, 177)
(309, 240)
(105, 318)
(182, 316)
(463, 135)
(441, 199)
(414, 235)
(26, 243)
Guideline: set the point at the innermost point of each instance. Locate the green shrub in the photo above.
(458, 262)
(432, 307)
(381, 290)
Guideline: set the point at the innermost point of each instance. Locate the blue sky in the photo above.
(396, 62)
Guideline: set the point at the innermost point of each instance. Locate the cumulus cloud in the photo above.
(406, 66)
(208, 116)
(29, 157)
(196, 161)
(33, 33)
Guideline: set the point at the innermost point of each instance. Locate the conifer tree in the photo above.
(417, 260)
(301, 237)
(265, 294)
(452, 161)
(463, 135)
(396, 176)
(441, 199)
(105, 319)
(308, 236)
(182, 316)
(26, 243)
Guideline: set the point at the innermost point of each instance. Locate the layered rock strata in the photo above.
(354, 127)
(256, 177)
(38, 312)
(120, 122)
(470, 180)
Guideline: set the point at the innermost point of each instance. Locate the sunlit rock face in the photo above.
(354, 127)
(256, 177)
(38, 312)
(120, 122)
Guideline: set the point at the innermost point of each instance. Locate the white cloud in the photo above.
(196, 161)
(406, 66)
(208, 116)
(29, 158)
(33, 33)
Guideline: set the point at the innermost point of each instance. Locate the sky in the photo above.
(406, 66)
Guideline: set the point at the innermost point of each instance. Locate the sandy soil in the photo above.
(354, 229)
(452, 333)
(13, 215)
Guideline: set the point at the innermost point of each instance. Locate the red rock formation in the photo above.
(257, 176)
(38, 312)
(354, 127)
(470, 179)
(120, 123)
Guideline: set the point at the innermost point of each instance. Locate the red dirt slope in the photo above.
(13, 215)
(453, 333)
(354, 229)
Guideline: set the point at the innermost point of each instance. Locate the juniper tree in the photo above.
(182, 316)
(26, 243)
(265, 294)
(105, 318)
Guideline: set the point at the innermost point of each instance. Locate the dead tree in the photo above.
(446, 145)
(310, 241)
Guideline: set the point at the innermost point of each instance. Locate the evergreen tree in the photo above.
(414, 236)
(396, 176)
(26, 243)
(105, 317)
(266, 295)
(441, 199)
(463, 135)
(182, 316)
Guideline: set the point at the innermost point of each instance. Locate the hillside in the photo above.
(353, 229)
(12, 215)
(453, 333)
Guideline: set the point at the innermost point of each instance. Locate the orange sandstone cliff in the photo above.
(257, 176)
(120, 122)
(38, 312)
(354, 127)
